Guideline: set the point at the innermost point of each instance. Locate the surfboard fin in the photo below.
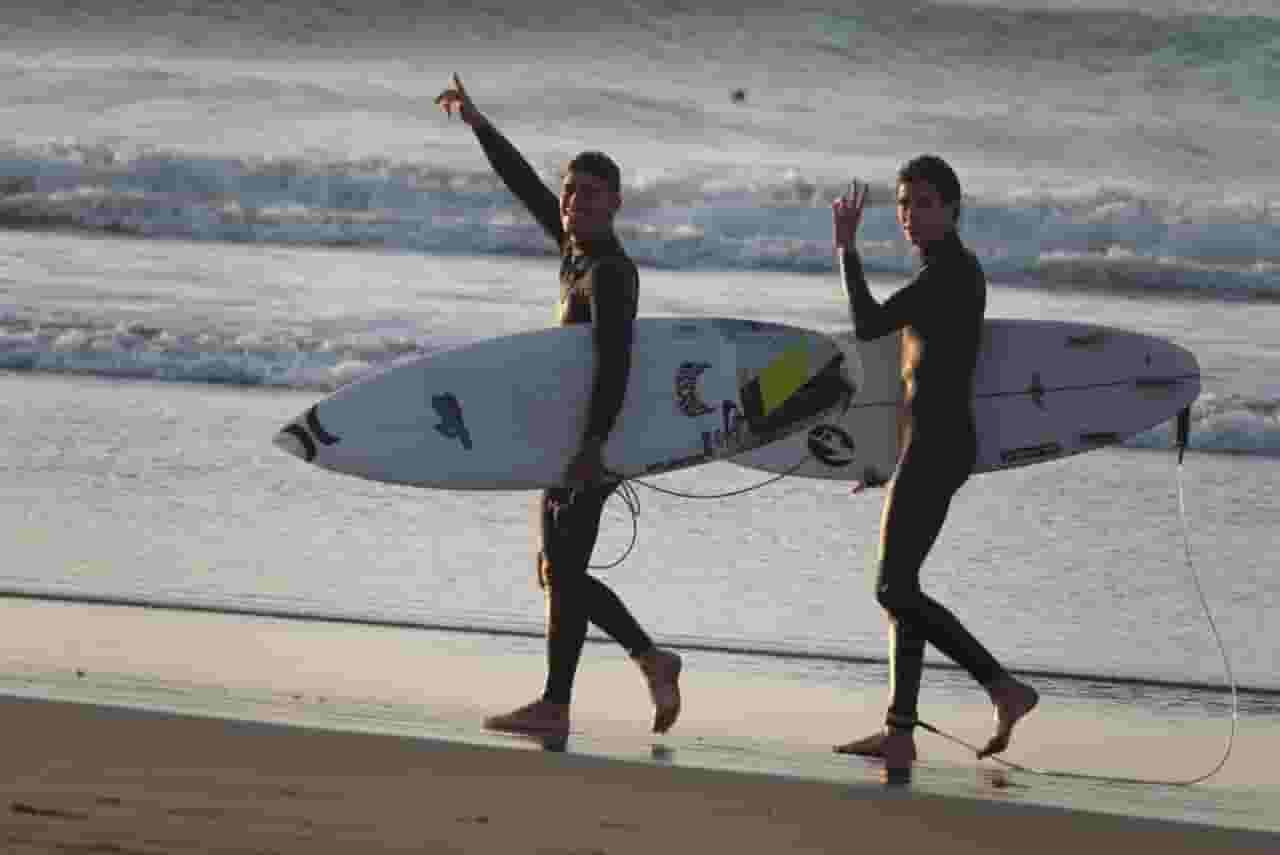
(1184, 431)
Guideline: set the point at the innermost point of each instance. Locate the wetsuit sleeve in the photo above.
(521, 180)
(613, 293)
(871, 319)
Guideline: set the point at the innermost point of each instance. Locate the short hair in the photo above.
(600, 165)
(935, 170)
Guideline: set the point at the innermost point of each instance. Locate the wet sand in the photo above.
(140, 731)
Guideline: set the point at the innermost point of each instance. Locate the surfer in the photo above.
(940, 316)
(599, 285)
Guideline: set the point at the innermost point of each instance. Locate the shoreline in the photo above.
(1263, 696)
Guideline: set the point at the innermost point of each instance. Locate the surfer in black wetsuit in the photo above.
(599, 285)
(940, 316)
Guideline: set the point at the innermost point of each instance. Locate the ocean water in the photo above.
(215, 213)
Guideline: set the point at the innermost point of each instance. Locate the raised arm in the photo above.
(871, 319)
(506, 160)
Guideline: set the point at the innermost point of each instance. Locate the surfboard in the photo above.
(1043, 390)
(508, 413)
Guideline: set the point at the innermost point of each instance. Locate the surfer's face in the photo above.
(923, 216)
(587, 205)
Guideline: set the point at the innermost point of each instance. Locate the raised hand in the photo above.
(455, 98)
(846, 215)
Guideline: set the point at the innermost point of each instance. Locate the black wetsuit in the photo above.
(940, 314)
(598, 285)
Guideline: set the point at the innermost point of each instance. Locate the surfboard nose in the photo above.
(294, 439)
(304, 435)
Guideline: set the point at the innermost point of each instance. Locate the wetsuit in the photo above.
(940, 314)
(599, 285)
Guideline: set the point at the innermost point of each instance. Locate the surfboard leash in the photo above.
(730, 494)
(1183, 435)
(631, 498)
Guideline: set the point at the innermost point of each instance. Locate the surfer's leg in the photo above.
(575, 532)
(563, 574)
(661, 668)
(896, 741)
(915, 511)
(906, 667)
(574, 591)
(549, 714)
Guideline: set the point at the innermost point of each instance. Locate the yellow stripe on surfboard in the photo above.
(781, 378)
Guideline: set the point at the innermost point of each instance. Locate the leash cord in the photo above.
(631, 498)
(1222, 649)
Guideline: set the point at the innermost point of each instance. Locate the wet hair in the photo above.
(935, 170)
(600, 165)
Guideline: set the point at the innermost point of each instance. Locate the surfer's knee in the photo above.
(899, 598)
(542, 570)
(560, 576)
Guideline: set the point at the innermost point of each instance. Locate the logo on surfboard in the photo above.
(732, 436)
(831, 445)
(687, 397)
(451, 422)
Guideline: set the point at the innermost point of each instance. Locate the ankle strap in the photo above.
(900, 722)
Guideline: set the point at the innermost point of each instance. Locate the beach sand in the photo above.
(88, 779)
(145, 731)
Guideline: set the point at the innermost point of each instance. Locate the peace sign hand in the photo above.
(846, 215)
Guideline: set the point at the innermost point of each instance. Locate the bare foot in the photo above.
(867, 746)
(540, 718)
(662, 672)
(1013, 700)
(897, 747)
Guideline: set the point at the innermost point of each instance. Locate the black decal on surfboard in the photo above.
(831, 445)
(687, 389)
(731, 437)
(1092, 340)
(308, 444)
(826, 389)
(1030, 452)
(1102, 437)
(322, 436)
(731, 416)
(451, 423)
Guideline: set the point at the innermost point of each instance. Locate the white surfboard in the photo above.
(508, 413)
(1042, 390)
